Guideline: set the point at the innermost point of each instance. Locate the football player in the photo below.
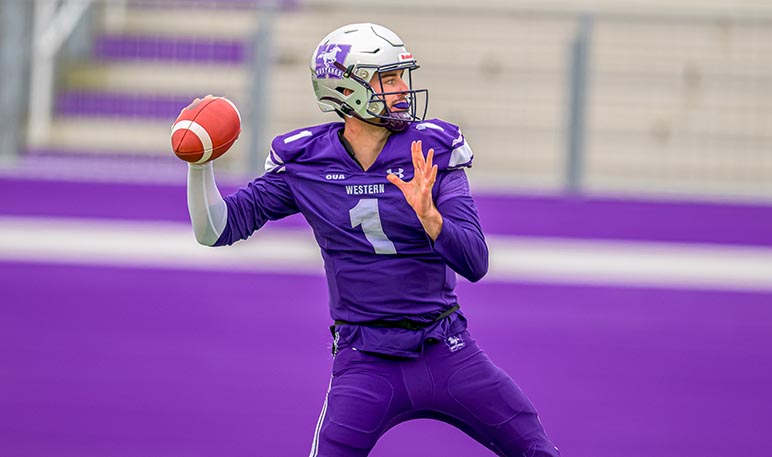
(395, 225)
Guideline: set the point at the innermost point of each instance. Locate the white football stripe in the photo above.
(201, 133)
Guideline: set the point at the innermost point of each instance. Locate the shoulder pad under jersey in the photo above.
(451, 150)
(290, 146)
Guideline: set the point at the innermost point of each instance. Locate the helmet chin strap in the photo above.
(395, 122)
(398, 121)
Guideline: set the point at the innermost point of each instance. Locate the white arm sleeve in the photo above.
(208, 211)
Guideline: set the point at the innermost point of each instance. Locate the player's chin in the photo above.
(397, 121)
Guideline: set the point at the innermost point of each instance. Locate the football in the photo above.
(205, 129)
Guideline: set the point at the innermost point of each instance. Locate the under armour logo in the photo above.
(454, 343)
(399, 172)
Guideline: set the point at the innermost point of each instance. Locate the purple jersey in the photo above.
(379, 261)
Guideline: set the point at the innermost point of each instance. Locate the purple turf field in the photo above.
(140, 362)
(101, 360)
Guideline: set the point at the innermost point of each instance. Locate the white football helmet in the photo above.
(348, 58)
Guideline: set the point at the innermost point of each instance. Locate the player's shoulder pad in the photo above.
(451, 150)
(288, 147)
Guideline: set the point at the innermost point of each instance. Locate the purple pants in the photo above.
(452, 381)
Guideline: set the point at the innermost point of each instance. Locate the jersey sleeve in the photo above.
(461, 242)
(287, 148)
(269, 197)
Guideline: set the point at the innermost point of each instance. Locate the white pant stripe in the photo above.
(315, 444)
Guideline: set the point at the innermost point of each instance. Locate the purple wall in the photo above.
(586, 218)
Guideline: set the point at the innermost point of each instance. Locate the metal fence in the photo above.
(681, 104)
(551, 99)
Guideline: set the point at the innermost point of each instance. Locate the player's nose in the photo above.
(401, 85)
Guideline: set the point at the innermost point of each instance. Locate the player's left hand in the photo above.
(418, 191)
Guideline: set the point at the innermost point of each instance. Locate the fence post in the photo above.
(53, 23)
(578, 79)
(13, 48)
(259, 96)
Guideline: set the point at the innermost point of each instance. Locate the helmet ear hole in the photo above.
(344, 90)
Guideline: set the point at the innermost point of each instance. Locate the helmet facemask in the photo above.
(376, 111)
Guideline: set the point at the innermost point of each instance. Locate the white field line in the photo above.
(171, 245)
(151, 244)
(632, 263)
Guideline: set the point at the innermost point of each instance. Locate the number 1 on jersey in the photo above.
(366, 214)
